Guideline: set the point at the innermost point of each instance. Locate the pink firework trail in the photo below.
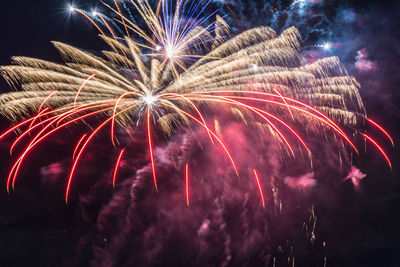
(187, 183)
(167, 37)
(82, 144)
(259, 187)
(117, 166)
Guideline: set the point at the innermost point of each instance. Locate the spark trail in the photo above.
(177, 71)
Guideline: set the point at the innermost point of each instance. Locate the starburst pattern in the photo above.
(169, 75)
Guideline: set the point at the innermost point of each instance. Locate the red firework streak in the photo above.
(36, 140)
(187, 183)
(382, 130)
(117, 166)
(80, 88)
(379, 148)
(82, 150)
(53, 121)
(259, 188)
(153, 168)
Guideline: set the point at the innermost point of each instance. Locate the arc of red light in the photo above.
(259, 187)
(337, 128)
(46, 99)
(187, 183)
(268, 121)
(329, 122)
(153, 168)
(33, 143)
(229, 101)
(57, 118)
(36, 117)
(83, 148)
(117, 166)
(258, 111)
(10, 130)
(379, 148)
(195, 107)
(78, 144)
(286, 98)
(284, 101)
(84, 107)
(213, 134)
(287, 126)
(81, 87)
(16, 166)
(51, 119)
(382, 130)
(114, 114)
(41, 106)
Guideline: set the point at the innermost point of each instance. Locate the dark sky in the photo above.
(29, 223)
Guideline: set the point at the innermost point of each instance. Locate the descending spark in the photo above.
(36, 117)
(40, 108)
(83, 85)
(259, 187)
(117, 166)
(15, 168)
(215, 136)
(153, 168)
(382, 130)
(56, 119)
(115, 113)
(284, 101)
(187, 183)
(46, 99)
(379, 148)
(78, 145)
(91, 136)
(169, 74)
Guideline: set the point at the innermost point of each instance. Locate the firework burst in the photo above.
(171, 75)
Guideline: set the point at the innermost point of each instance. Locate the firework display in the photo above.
(177, 72)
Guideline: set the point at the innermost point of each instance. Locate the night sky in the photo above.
(37, 228)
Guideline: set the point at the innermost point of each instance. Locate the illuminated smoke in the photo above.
(225, 223)
(355, 176)
(363, 63)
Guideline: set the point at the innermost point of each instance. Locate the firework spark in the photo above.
(171, 75)
(187, 183)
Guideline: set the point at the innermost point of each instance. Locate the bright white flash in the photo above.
(71, 8)
(171, 52)
(94, 13)
(149, 99)
(158, 47)
(327, 46)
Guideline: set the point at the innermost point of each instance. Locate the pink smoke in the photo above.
(363, 63)
(303, 182)
(355, 175)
